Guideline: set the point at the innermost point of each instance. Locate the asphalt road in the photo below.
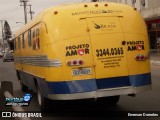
(146, 101)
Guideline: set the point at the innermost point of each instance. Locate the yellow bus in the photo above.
(83, 51)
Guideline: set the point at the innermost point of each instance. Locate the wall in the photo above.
(153, 3)
(153, 10)
(150, 10)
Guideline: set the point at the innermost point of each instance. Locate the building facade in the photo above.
(139, 4)
(150, 10)
(152, 18)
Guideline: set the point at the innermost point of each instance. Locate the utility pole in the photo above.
(2, 34)
(25, 9)
(31, 12)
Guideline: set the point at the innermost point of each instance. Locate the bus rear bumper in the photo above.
(100, 93)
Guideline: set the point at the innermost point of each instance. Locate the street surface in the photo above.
(147, 101)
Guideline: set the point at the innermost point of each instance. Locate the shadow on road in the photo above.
(83, 108)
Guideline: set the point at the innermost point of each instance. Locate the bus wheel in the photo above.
(112, 100)
(43, 102)
(24, 88)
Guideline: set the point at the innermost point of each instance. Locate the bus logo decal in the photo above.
(80, 49)
(139, 47)
(97, 26)
(95, 12)
(109, 26)
(135, 45)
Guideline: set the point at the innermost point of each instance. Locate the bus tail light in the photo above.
(74, 62)
(80, 62)
(68, 62)
(141, 57)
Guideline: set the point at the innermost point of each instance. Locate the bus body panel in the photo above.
(107, 40)
(108, 53)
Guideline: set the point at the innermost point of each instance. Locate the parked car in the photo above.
(7, 57)
(1, 54)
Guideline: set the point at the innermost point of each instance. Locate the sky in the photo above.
(11, 10)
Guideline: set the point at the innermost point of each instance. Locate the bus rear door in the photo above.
(109, 53)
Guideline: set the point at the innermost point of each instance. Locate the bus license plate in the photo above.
(83, 71)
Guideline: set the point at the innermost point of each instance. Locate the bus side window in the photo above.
(23, 40)
(37, 39)
(33, 39)
(19, 42)
(37, 32)
(29, 38)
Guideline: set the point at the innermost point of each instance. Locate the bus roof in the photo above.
(77, 9)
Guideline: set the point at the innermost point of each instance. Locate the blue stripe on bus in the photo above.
(132, 80)
(113, 82)
(140, 80)
(78, 86)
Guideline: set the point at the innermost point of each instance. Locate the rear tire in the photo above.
(43, 102)
(24, 88)
(112, 100)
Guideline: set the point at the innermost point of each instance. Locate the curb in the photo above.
(153, 62)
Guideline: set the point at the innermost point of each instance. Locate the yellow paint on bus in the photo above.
(80, 51)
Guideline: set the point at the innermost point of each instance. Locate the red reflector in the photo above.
(74, 62)
(80, 62)
(137, 57)
(142, 57)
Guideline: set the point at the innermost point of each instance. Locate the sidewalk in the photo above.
(155, 59)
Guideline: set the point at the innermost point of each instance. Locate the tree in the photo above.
(7, 31)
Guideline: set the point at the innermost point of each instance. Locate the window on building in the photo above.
(133, 3)
(142, 2)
